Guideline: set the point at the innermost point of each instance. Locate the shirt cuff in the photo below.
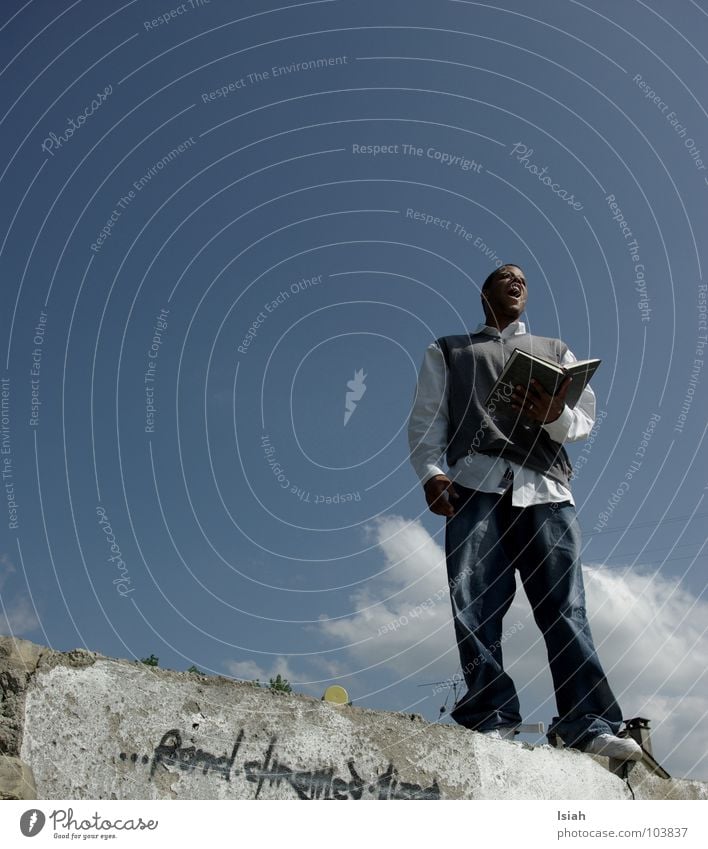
(431, 472)
(558, 429)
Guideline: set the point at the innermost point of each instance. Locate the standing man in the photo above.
(508, 506)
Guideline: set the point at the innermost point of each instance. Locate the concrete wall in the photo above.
(81, 726)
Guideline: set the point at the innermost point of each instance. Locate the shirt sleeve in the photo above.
(576, 423)
(428, 422)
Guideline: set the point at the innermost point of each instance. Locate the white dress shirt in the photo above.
(428, 429)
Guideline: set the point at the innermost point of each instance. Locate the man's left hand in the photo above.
(537, 404)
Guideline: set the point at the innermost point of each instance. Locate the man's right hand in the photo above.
(440, 494)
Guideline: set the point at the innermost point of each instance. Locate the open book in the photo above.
(521, 367)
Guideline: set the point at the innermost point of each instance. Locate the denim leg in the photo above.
(549, 565)
(482, 587)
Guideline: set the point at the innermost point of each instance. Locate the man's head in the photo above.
(504, 296)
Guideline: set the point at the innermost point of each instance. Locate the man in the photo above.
(508, 506)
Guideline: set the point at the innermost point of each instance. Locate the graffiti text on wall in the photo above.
(271, 771)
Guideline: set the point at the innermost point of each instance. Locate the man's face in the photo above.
(506, 295)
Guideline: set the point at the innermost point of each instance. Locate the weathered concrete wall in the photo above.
(82, 726)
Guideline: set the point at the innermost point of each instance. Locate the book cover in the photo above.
(522, 367)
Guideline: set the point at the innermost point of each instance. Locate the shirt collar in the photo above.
(516, 328)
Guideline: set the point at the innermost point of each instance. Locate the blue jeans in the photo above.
(485, 542)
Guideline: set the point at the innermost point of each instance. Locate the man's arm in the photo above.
(565, 424)
(427, 432)
(576, 423)
(428, 422)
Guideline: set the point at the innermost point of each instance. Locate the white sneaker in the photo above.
(504, 732)
(621, 748)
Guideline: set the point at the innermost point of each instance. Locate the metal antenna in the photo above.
(451, 685)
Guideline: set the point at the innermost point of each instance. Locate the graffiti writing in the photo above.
(170, 751)
(323, 784)
(270, 770)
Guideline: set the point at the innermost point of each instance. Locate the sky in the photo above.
(229, 230)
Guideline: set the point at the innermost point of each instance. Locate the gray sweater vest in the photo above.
(475, 361)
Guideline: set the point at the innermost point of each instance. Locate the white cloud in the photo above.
(7, 568)
(322, 664)
(249, 670)
(650, 634)
(653, 640)
(402, 619)
(17, 615)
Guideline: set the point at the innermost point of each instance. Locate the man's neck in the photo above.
(500, 323)
(515, 325)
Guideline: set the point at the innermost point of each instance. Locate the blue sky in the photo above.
(216, 214)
